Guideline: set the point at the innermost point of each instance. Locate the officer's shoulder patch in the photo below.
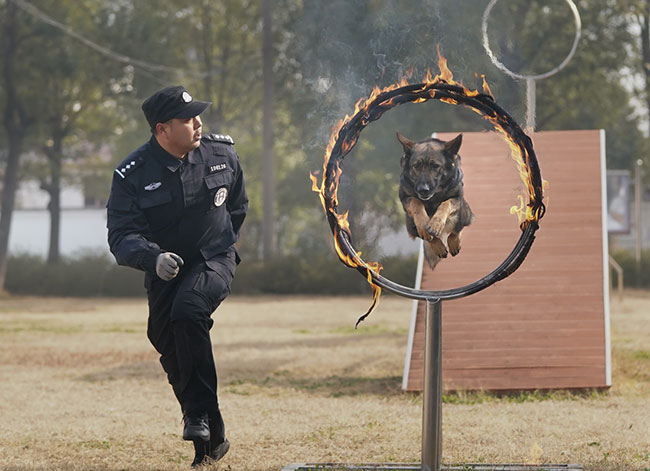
(128, 165)
(224, 138)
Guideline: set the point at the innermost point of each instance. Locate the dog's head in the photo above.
(429, 164)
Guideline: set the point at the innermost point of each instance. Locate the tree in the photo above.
(268, 174)
(588, 93)
(16, 121)
(71, 99)
(638, 20)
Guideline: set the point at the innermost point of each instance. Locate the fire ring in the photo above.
(448, 91)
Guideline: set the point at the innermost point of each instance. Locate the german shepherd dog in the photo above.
(431, 192)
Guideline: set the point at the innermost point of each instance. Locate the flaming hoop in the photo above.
(441, 87)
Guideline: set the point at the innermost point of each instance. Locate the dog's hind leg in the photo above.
(438, 247)
(434, 250)
(430, 255)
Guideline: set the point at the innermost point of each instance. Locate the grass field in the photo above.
(81, 388)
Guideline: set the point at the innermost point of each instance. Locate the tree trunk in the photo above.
(54, 155)
(644, 21)
(10, 185)
(14, 127)
(268, 164)
(208, 81)
(225, 40)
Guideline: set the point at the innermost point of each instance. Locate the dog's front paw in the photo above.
(454, 244)
(424, 234)
(435, 226)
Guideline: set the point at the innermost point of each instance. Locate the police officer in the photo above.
(176, 206)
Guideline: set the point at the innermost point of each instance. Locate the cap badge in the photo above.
(186, 97)
(220, 196)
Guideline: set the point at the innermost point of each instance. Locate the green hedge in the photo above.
(86, 275)
(93, 274)
(96, 274)
(319, 275)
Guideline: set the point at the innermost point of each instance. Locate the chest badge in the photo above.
(218, 168)
(220, 196)
(152, 186)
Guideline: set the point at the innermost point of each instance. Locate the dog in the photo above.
(431, 192)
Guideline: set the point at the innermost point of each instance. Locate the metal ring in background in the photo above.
(499, 64)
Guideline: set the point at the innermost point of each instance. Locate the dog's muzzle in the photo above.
(424, 192)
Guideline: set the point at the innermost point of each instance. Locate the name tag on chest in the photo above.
(218, 168)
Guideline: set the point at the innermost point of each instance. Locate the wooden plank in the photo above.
(543, 327)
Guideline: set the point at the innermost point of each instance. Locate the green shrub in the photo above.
(319, 275)
(96, 274)
(88, 274)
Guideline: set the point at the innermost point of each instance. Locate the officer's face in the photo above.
(182, 135)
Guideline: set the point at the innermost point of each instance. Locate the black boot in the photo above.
(217, 452)
(219, 445)
(196, 427)
(201, 453)
(206, 454)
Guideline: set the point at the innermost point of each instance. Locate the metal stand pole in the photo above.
(432, 395)
(637, 219)
(531, 104)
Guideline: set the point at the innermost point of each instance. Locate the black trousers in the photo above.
(179, 329)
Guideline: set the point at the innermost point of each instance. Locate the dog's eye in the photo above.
(435, 166)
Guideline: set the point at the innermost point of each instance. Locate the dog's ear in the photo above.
(453, 146)
(406, 142)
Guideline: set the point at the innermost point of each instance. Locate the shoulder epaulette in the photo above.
(127, 166)
(225, 138)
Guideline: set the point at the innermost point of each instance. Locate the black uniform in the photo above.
(195, 208)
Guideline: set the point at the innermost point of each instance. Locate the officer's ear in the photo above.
(160, 128)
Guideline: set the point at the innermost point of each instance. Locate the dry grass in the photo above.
(82, 389)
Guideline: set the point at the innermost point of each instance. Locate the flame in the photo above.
(314, 187)
(445, 73)
(525, 212)
(329, 195)
(486, 87)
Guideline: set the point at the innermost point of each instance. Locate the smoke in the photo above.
(346, 47)
(381, 63)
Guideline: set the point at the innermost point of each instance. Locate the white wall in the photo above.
(81, 229)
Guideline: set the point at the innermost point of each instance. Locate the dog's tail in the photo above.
(431, 256)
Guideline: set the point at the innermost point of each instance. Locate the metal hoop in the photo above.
(455, 94)
(501, 66)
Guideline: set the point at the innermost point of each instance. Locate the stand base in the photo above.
(417, 467)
